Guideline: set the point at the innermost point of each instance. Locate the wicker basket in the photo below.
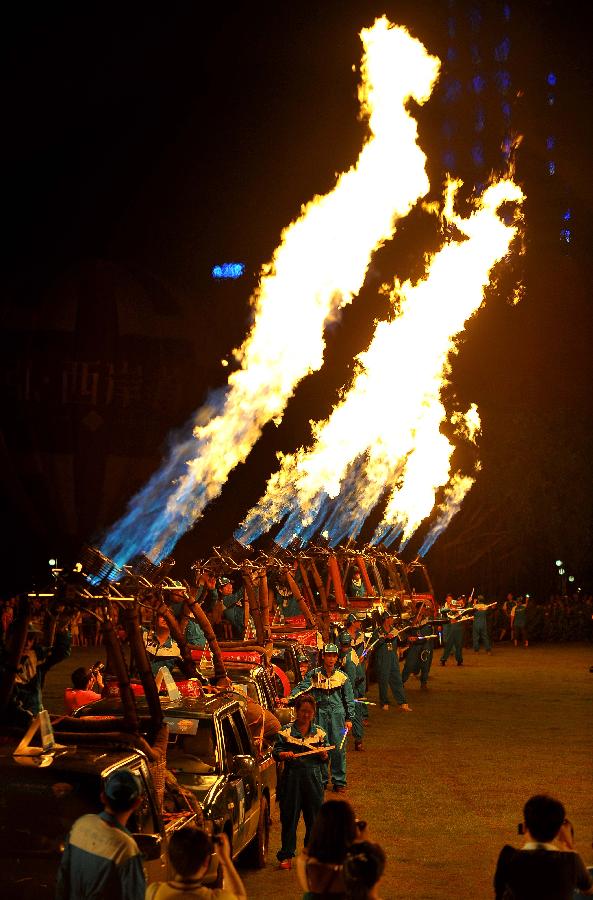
(158, 770)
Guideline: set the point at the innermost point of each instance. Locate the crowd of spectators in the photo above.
(101, 858)
(558, 619)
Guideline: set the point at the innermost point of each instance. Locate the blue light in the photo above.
(565, 235)
(475, 18)
(478, 155)
(551, 79)
(550, 142)
(448, 129)
(503, 81)
(506, 11)
(567, 215)
(478, 84)
(449, 160)
(452, 90)
(501, 53)
(228, 270)
(551, 168)
(506, 110)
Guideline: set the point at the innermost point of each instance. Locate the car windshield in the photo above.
(43, 806)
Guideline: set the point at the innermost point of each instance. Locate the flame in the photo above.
(318, 268)
(455, 493)
(389, 431)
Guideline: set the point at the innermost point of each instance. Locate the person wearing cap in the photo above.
(287, 605)
(177, 596)
(332, 691)
(354, 669)
(101, 858)
(353, 626)
(453, 609)
(480, 625)
(234, 611)
(419, 656)
(387, 664)
(161, 648)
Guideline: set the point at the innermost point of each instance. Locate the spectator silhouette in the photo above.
(546, 867)
(320, 865)
(363, 867)
(190, 852)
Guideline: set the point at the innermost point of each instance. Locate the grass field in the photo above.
(442, 788)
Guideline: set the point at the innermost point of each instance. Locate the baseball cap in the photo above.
(330, 648)
(122, 787)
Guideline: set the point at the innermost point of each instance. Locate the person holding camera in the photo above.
(86, 687)
(546, 867)
(320, 865)
(190, 851)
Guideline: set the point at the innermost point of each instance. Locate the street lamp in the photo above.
(558, 562)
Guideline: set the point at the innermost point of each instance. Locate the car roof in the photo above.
(70, 759)
(189, 707)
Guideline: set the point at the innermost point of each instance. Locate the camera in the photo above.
(97, 668)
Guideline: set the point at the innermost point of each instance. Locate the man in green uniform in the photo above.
(354, 669)
(303, 777)
(356, 587)
(387, 664)
(480, 625)
(454, 640)
(336, 708)
(234, 612)
(419, 656)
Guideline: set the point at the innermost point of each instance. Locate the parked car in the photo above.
(42, 796)
(211, 752)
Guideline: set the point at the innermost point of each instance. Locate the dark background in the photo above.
(144, 147)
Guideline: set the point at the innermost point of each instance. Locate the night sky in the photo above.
(145, 147)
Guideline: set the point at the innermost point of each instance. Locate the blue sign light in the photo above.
(228, 270)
